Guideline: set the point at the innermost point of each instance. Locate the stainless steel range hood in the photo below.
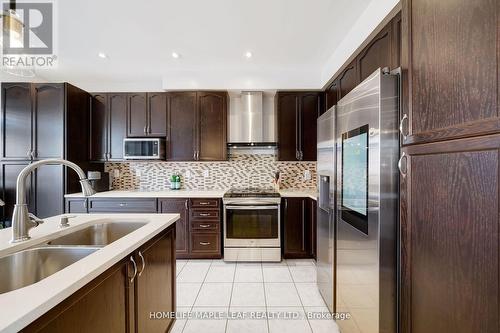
(252, 120)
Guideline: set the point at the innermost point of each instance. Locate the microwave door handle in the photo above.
(251, 207)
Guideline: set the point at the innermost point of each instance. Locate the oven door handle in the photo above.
(251, 207)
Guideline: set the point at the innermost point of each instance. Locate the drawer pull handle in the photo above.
(122, 204)
(204, 214)
(204, 203)
(204, 243)
(143, 264)
(135, 269)
(204, 225)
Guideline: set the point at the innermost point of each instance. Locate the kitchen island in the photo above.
(114, 287)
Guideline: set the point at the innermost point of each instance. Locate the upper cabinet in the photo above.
(197, 123)
(108, 117)
(297, 116)
(383, 50)
(450, 65)
(147, 115)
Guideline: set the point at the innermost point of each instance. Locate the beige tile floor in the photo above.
(238, 291)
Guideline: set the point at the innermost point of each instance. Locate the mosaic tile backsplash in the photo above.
(241, 170)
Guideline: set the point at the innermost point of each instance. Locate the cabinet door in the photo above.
(9, 173)
(49, 190)
(137, 115)
(378, 54)
(331, 95)
(296, 229)
(450, 237)
(310, 106)
(49, 120)
(212, 124)
(99, 128)
(182, 127)
(117, 125)
(16, 121)
(348, 79)
(450, 61)
(101, 306)
(155, 284)
(157, 120)
(179, 206)
(288, 126)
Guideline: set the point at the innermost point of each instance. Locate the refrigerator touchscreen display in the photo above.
(355, 178)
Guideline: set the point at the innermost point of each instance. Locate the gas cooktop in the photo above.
(251, 192)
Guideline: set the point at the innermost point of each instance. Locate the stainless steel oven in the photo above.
(252, 229)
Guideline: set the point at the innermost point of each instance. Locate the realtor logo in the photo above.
(35, 35)
(28, 34)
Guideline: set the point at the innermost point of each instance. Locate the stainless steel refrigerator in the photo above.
(367, 151)
(325, 262)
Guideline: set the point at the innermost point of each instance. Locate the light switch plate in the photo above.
(138, 173)
(116, 173)
(187, 174)
(206, 173)
(307, 175)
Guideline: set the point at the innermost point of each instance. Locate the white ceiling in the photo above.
(296, 44)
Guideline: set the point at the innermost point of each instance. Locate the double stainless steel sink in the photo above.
(29, 266)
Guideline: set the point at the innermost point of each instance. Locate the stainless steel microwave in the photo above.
(144, 149)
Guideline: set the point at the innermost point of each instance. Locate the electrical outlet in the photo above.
(206, 173)
(116, 173)
(187, 174)
(138, 173)
(307, 175)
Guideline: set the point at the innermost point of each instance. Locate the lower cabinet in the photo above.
(122, 298)
(178, 206)
(298, 225)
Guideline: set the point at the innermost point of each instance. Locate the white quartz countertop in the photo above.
(185, 194)
(155, 194)
(22, 306)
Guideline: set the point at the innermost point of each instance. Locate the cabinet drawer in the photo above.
(205, 203)
(205, 243)
(200, 225)
(200, 214)
(122, 205)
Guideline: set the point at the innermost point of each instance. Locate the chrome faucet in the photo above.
(22, 220)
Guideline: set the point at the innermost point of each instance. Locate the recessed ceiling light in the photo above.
(102, 55)
(175, 55)
(248, 54)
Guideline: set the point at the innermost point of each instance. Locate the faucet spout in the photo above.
(22, 220)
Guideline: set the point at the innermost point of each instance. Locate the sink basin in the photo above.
(26, 267)
(97, 234)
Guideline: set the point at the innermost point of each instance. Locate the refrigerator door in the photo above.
(367, 192)
(326, 203)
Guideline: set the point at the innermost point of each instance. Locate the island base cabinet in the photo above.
(123, 298)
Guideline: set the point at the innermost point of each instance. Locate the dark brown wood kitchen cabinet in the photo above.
(178, 206)
(297, 116)
(181, 139)
(40, 121)
(450, 63)
(331, 95)
(298, 228)
(212, 126)
(108, 126)
(348, 79)
(147, 115)
(122, 298)
(205, 228)
(197, 123)
(377, 54)
(450, 236)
